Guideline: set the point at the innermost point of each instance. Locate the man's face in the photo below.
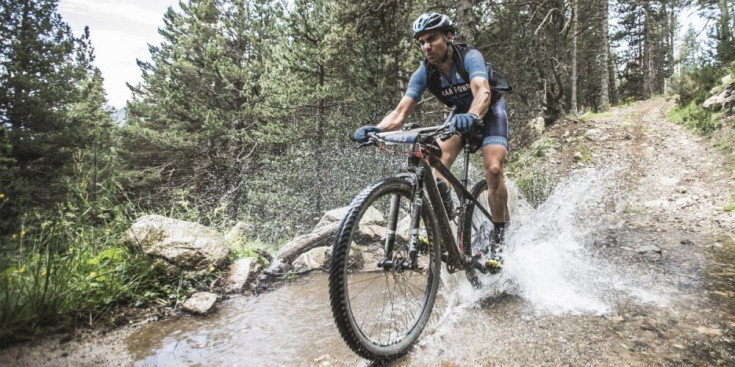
(433, 45)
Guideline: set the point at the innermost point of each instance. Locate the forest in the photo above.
(245, 110)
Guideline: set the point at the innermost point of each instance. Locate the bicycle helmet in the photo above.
(431, 21)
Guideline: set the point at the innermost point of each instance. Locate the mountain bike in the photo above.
(387, 254)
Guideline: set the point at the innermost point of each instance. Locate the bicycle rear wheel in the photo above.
(478, 228)
(380, 311)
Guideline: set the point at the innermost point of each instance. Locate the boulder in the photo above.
(313, 259)
(238, 232)
(372, 216)
(239, 273)
(186, 245)
(200, 303)
(538, 125)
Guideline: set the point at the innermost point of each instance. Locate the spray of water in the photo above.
(548, 262)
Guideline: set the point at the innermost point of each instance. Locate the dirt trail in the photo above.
(665, 224)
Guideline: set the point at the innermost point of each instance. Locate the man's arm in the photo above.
(396, 118)
(481, 93)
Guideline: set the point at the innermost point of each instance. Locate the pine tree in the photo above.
(44, 68)
(198, 115)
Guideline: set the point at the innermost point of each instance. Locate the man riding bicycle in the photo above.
(456, 74)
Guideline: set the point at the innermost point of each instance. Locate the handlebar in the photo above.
(422, 135)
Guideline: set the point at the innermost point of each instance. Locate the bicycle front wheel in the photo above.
(381, 310)
(478, 228)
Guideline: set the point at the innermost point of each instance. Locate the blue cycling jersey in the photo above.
(458, 93)
(457, 90)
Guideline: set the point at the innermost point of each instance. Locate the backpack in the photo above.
(497, 81)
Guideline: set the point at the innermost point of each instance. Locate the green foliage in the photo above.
(696, 118)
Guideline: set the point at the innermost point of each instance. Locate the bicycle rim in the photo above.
(381, 313)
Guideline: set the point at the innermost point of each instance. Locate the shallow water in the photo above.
(291, 326)
(561, 299)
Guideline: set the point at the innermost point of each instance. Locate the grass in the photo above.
(587, 116)
(696, 118)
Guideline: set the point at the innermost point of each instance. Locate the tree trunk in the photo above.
(574, 57)
(319, 142)
(604, 71)
(465, 20)
(646, 53)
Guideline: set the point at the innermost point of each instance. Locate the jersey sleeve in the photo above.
(417, 84)
(474, 63)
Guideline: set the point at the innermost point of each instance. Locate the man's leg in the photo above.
(493, 157)
(450, 150)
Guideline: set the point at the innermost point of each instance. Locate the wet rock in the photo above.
(313, 259)
(239, 273)
(238, 232)
(185, 245)
(200, 303)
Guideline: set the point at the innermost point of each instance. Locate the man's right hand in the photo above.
(361, 133)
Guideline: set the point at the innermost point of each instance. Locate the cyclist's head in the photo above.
(430, 22)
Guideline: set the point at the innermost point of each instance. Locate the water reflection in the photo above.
(291, 326)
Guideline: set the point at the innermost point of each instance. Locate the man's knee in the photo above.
(494, 174)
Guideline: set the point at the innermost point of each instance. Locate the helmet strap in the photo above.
(446, 53)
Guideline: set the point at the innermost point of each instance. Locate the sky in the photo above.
(121, 31)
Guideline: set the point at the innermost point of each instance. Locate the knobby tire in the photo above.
(478, 228)
(381, 313)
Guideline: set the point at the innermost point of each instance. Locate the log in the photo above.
(322, 236)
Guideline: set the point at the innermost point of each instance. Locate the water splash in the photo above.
(548, 261)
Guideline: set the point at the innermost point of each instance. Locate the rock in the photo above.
(538, 125)
(720, 100)
(332, 216)
(238, 232)
(727, 80)
(656, 204)
(578, 156)
(239, 273)
(709, 331)
(372, 216)
(595, 135)
(648, 249)
(617, 319)
(187, 245)
(313, 259)
(200, 303)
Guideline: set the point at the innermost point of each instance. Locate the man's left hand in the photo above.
(463, 122)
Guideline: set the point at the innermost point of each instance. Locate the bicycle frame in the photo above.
(421, 160)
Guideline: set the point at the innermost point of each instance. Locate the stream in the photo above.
(577, 289)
